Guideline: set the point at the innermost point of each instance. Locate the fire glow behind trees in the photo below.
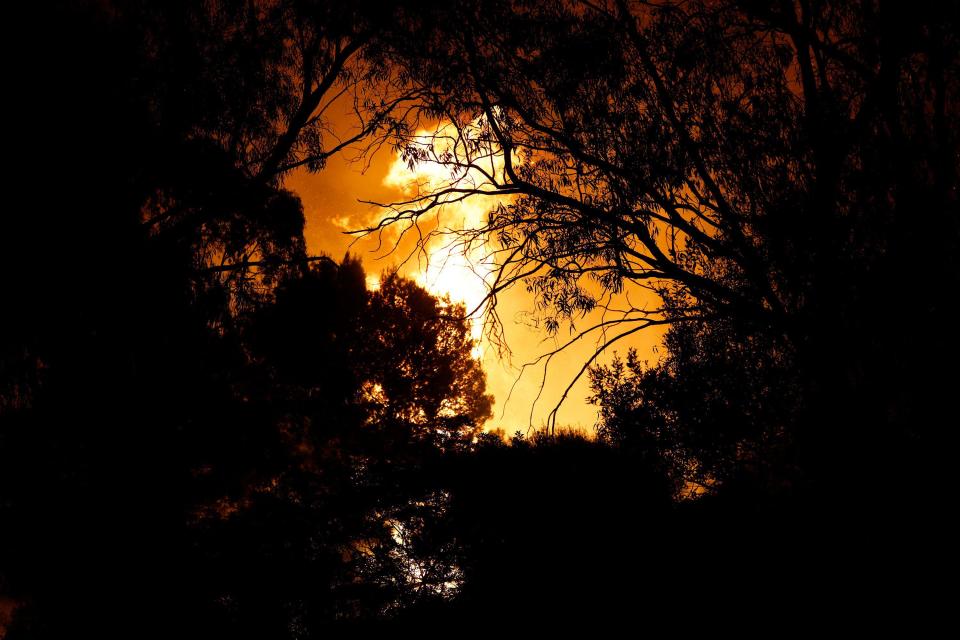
(211, 425)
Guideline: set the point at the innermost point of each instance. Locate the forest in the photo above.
(210, 430)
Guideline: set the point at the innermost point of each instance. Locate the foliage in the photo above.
(537, 518)
(765, 165)
(717, 150)
(714, 408)
(424, 373)
(396, 360)
(207, 432)
(154, 470)
(361, 387)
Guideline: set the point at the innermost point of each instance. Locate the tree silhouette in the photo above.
(260, 85)
(423, 375)
(715, 409)
(129, 405)
(205, 431)
(397, 357)
(761, 164)
(357, 390)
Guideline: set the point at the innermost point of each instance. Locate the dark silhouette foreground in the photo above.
(207, 432)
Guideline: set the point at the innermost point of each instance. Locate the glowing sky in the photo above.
(331, 205)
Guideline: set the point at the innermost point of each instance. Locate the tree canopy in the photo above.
(714, 150)
(773, 166)
(162, 437)
(205, 430)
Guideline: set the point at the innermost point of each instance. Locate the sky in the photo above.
(332, 205)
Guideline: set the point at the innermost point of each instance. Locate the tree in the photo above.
(261, 84)
(397, 359)
(152, 225)
(420, 372)
(361, 390)
(714, 410)
(759, 163)
(167, 451)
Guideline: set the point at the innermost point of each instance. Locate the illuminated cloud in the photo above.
(448, 265)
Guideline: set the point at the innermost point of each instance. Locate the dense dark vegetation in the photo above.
(205, 431)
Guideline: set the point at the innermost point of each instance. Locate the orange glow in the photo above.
(524, 397)
(447, 267)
